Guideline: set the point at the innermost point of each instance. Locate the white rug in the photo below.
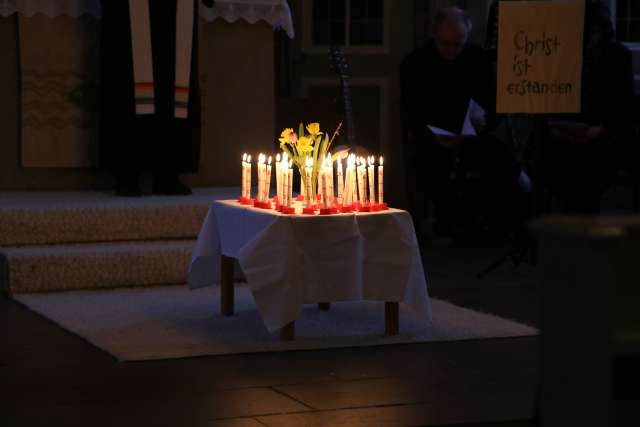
(172, 321)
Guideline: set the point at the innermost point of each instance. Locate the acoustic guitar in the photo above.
(341, 68)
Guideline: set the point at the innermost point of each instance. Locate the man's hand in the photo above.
(479, 123)
(583, 135)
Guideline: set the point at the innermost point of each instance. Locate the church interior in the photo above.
(240, 213)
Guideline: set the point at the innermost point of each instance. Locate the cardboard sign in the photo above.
(540, 56)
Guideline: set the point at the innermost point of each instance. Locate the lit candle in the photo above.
(346, 195)
(308, 188)
(325, 184)
(244, 173)
(264, 177)
(285, 167)
(354, 183)
(371, 170)
(361, 182)
(290, 184)
(285, 184)
(354, 187)
(268, 181)
(381, 181)
(248, 176)
(340, 181)
(349, 182)
(319, 189)
(261, 177)
(278, 179)
(331, 189)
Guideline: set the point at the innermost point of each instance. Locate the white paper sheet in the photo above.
(474, 110)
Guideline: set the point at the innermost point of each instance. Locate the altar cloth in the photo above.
(291, 260)
(275, 12)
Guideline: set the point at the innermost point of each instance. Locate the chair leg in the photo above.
(226, 285)
(391, 318)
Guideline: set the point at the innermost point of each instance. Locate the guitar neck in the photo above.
(348, 112)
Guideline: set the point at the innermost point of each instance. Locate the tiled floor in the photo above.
(49, 377)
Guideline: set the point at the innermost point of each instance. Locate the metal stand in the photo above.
(524, 248)
(523, 251)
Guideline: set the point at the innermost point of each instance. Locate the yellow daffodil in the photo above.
(304, 145)
(287, 136)
(314, 129)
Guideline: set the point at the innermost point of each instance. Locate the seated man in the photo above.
(582, 152)
(438, 81)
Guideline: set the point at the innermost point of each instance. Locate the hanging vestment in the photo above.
(150, 92)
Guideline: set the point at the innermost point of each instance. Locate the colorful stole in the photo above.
(143, 61)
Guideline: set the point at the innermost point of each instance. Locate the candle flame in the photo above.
(269, 161)
(278, 158)
(381, 161)
(371, 161)
(249, 158)
(261, 158)
(244, 157)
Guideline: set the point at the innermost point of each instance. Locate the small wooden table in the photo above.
(287, 333)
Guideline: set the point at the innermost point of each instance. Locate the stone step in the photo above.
(38, 218)
(93, 266)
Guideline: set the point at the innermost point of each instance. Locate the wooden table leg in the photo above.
(391, 320)
(288, 332)
(226, 285)
(324, 306)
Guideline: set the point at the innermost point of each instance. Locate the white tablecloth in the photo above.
(275, 12)
(290, 260)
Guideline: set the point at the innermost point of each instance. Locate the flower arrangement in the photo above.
(314, 144)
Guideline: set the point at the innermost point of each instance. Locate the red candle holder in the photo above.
(245, 201)
(382, 206)
(278, 207)
(365, 208)
(262, 205)
(346, 208)
(300, 198)
(288, 211)
(309, 211)
(328, 211)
